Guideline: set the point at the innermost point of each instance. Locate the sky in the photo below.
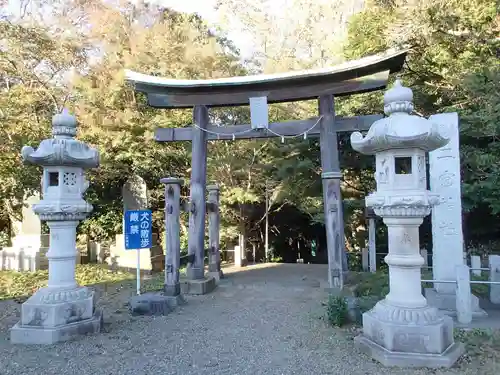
(206, 9)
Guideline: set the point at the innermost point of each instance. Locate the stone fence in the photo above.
(463, 287)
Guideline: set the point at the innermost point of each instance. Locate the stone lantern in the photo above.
(63, 309)
(402, 329)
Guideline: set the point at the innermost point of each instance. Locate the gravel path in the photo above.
(264, 320)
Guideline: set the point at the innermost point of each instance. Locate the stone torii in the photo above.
(363, 75)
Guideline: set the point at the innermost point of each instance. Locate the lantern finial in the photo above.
(398, 99)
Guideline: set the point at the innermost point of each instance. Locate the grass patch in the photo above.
(480, 290)
(376, 284)
(480, 343)
(16, 284)
(156, 282)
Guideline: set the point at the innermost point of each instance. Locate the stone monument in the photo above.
(402, 329)
(135, 193)
(447, 235)
(29, 230)
(63, 309)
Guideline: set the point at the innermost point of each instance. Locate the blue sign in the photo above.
(138, 229)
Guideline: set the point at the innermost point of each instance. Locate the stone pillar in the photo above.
(332, 199)
(372, 245)
(238, 258)
(196, 282)
(463, 292)
(63, 309)
(62, 254)
(214, 261)
(196, 237)
(423, 253)
(447, 236)
(333, 239)
(364, 259)
(172, 235)
(475, 264)
(494, 265)
(402, 329)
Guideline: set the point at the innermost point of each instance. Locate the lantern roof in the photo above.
(401, 129)
(63, 149)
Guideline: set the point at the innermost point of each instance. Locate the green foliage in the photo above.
(370, 284)
(336, 311)
(453, 65)
(17, 284)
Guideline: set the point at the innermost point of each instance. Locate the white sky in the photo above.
(206, 9)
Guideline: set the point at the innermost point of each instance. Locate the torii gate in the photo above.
(363, 75)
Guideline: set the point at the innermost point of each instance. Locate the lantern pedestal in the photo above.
(62, 310)
(408, 337)
(402, 329)
(53, 315)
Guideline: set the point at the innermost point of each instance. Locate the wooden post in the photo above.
(172, 235)
(332, 199)
(213, 232)
(372, 245)
(196, 232)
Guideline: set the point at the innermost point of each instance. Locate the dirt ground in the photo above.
(263, 319)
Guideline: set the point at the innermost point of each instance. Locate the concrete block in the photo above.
(154, 303)
(198, 287)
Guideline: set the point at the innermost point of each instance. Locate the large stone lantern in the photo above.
(402, 329)
(62, 309)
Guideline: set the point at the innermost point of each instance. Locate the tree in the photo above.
(453, 65)
(32, 63)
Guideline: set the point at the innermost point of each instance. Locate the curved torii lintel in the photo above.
(366, 74)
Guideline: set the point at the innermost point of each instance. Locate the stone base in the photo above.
(49, 308)
(398, 336)
(25, 334)
(217, 275)
(155, 303)
(400, 359)
(197, 287)
(447, 304)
